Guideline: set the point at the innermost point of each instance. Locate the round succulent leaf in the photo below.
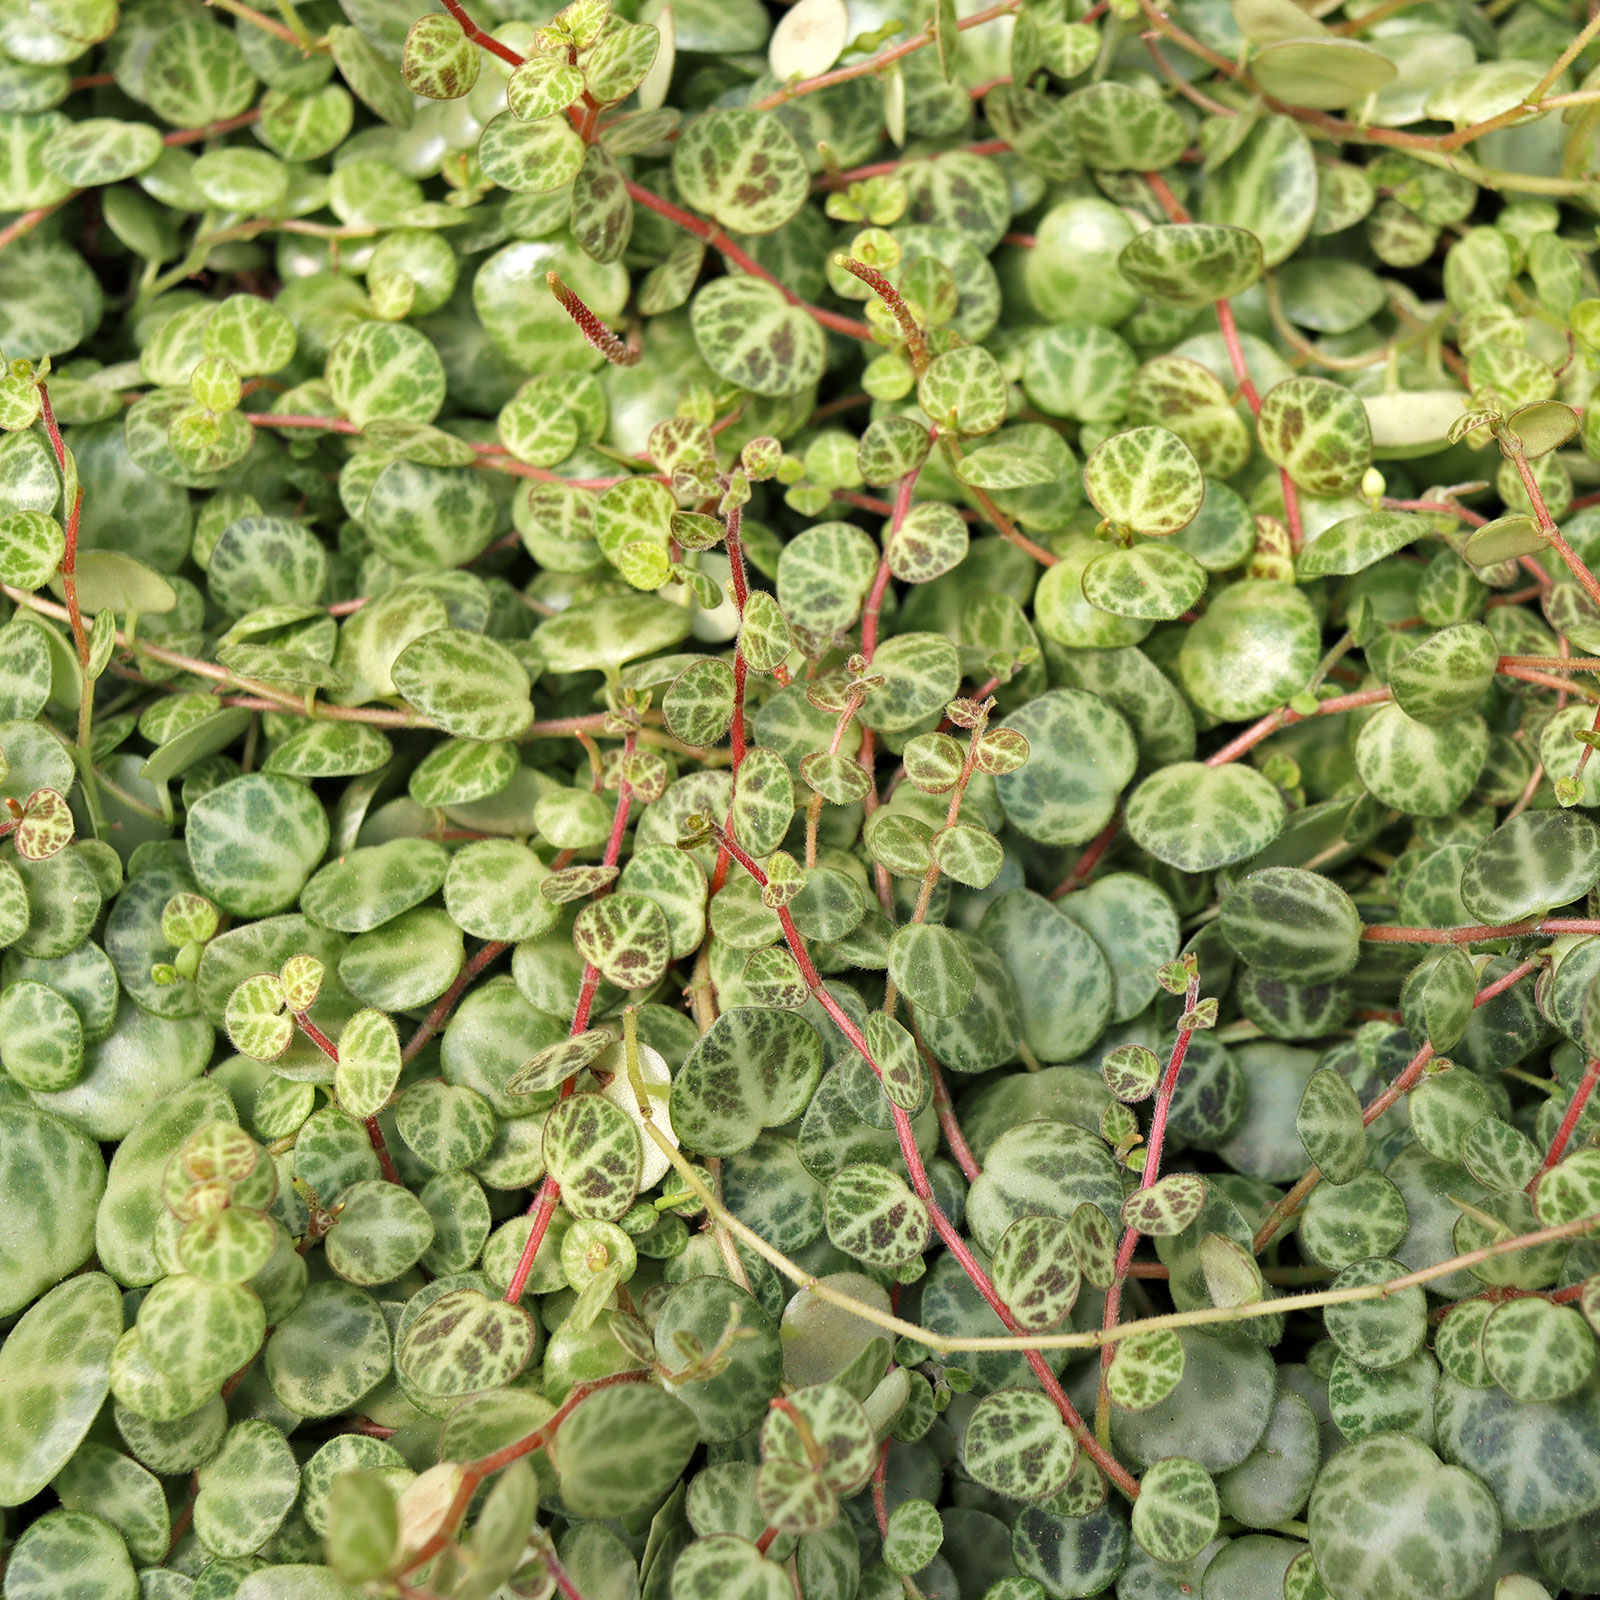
(1069, 1552)
(872, 1215)
(204, 1330)
(932, 968)
(1197, 817)
(55, 1372)
(62, 1542)
(621, 1449)
(1145, 479)
(1330, 1126)
(530, 157)
(964, 391)
(1122, 129)
(31, 546)
(752, 1069)
(1447, 674)
(464, 1343)
(763, 803)
(1530, 864)
(471, 685)
(914, 1536)
(230, 1247)
(382, 1230)
(1152, 582)
(593, 1149)
(1541, 1352)
(1317, 432)
(1046, 1167)
(46, 826)
(491, 891)
(1191, 264)
(332, 1349)
(1035, 1271)
(824, 574)
(123, 1493)
(741, 167)
(1355, 543)
(1267, 186)
(1502, 1158)
(1168, 1206)
(1017, 1445)
(793, 1497)
(447, 1126)
(1369, 1541)
(43, 1036)
(245, 1490)
(1145, 1368)
(257, 1018)
(921, 673)
(749, 335)
(1344, 1222)
(1093, 1243)
(51, 1179)
(699, 703)
(1176, 1514)
(1378, 1333)
(1293, 922)
(1082, 753)
(1322, 74)
(439, 62)
(253, 842)
(1425, 768)
(385, 370)
(626, 937)
(1570, 1189)
(695, 1320)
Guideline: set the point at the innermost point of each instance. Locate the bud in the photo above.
(760, 458)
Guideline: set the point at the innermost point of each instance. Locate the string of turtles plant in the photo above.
(798, 802)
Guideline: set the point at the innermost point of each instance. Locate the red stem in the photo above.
(434, 1020)
(953, 1136)
(1477, 933)
(1472, 518)
(918, 1174)
(880, 1498)
(1295, 1198)
(1580, 1098)
(544, 1202)
(69, 557)
(1152, 1166)
(479, 37)
(731, 253)
(485, 1466)
(1089, 860)
(1286, 717)
(739, 578)
(374, 1132)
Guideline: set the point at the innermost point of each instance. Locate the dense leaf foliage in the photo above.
(798, 801)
